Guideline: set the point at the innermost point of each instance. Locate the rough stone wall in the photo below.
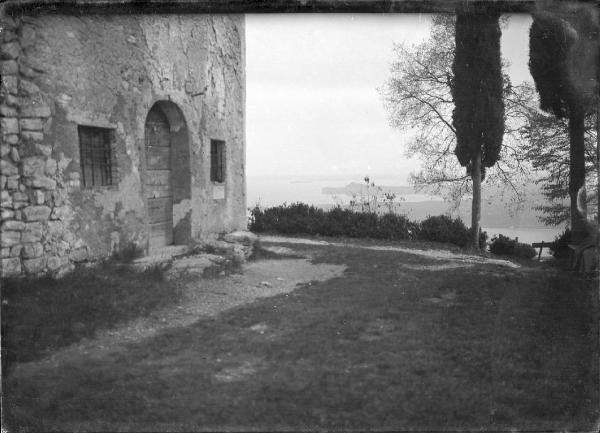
(59, 72)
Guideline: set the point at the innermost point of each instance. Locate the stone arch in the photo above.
(178, 212)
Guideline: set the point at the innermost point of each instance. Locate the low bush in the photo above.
(505, 246)
(442, 228)
(300, 218)
(128, 253)
(560, 246)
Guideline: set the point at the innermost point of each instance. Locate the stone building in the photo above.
(117, 129)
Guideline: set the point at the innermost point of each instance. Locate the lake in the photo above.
(273, 191)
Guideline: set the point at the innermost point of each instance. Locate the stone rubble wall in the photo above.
(48, 222)
(33, 191)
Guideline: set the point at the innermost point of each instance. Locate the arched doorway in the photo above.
(167, 175)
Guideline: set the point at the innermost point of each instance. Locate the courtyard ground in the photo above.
(325, 334)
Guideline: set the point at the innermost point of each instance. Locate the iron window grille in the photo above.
(217, 161)
(96, 156)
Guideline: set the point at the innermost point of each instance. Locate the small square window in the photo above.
(217, 161)
(96, 156)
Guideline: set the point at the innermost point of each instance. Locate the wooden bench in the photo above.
(541, 246)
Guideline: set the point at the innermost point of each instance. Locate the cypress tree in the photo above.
(563, 61)
(478, 115)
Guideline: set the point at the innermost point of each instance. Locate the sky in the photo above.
(312, 104)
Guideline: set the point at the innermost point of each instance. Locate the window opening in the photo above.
(96, 158)
(217, 161)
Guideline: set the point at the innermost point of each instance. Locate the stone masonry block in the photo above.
(11, 139)
(8, 67)
(9, 22)
(27, 35)
(33, 232)
(8, 35)
(32, 166)
(10, 84)
(34, 108)
(62, 213)
(6, 199)
(27, 87)
(15, 251)
(43, 183)
(34, 136)
(9, 125)
(7, 168)
(36, 213)
(34, 266)
(39, 197)
(4, 252)
(79, 255)
(12, 184)
(242, 237)
(10, 267)
(6, 214)
(4, 149)
(7, 111)
(26, 71)
(20, 196)
(18, 226)
(10, 238)
(11, 100)
(31, 123)
(44, 149)
(9, 50)
(32, 250)
(53, 263)
(50, 168)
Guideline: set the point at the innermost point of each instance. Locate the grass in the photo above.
(42, 315)
(369, 350)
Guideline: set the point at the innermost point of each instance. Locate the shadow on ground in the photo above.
(394, 343)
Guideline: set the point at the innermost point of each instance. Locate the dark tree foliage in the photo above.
(563, 59)
(564, 63)
(478, 115)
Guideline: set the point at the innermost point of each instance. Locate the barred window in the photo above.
(217, 160)
(96, 158)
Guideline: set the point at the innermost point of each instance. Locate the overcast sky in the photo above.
(312, 106)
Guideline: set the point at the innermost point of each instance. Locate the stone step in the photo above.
(162, 255)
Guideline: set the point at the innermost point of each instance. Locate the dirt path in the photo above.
(429, 253)
(202, 298)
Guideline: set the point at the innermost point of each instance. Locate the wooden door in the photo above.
(158, 179)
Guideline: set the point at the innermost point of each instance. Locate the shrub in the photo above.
(559, 247)
(128, 253)
(300, 218)
(397, 227)
(442, 228)
(505, 246)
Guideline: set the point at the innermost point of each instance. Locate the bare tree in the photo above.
(418, 100)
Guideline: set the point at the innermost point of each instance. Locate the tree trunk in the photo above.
(598, 187)
(476, 204)
(577, 171)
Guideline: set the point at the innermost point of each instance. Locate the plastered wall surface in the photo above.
(61, 71)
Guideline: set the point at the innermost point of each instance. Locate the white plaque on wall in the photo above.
(218, 192)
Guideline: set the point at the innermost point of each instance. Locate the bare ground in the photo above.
(201, 298)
